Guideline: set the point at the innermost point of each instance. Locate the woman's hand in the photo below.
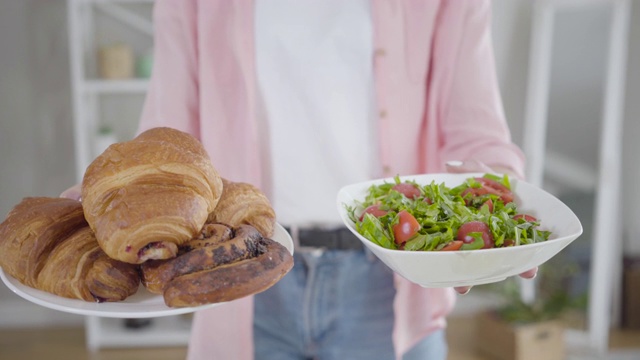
(73, 192)
(477, 166)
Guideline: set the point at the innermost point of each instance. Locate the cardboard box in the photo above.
(631, 297)
(503, 341)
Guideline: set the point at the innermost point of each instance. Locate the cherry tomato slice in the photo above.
(408, 190)
(474, 191)
(470, 193)
(406, 227)
(526, 217)
(475, 226)
(509, 242)
(373, 210)
(496, 188)
(492, 184)
(453, 246)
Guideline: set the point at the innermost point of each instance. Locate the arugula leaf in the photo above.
(416, 243)
(373, 229)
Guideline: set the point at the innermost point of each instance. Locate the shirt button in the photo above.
(386, 169)
(383, 114)
(380, 52)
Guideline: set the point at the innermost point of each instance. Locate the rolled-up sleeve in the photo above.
(473, 123)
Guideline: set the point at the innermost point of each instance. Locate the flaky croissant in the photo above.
(243, 203)
(45, 243)
(145, 197)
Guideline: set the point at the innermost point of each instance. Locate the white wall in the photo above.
(17, 127)
(631, 139)
(35, 118)
(35, 124)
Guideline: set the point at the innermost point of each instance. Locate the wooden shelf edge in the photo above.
(116, 86)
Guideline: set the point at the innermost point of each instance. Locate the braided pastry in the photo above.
(218, 269)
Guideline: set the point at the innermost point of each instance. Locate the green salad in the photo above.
(480, 213)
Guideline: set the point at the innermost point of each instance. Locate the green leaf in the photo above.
(478, 242)
(372, 229)
(416, 243)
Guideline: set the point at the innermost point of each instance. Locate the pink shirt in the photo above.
(438, 100)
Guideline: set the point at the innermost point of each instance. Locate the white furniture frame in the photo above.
(605, 266)
(86, 91)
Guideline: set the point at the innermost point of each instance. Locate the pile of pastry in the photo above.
(155, 212)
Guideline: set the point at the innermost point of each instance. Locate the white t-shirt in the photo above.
(315, 77)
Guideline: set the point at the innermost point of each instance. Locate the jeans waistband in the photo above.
(334, 239)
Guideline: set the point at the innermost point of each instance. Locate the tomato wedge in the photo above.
(496, 188)
(508, 242)
(475, 191)
(492, 184)
(470, 193)
(526, 217)
(475, 226)
(373, 210)
(406, 227)
(408, 190)
(453, 246)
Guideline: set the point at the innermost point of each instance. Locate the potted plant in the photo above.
(519, 330)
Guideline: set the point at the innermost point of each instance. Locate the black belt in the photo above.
(336, 239)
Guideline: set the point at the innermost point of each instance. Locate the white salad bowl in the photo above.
(472, 267)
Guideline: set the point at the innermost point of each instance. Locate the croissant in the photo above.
(145, 197)
(45, 243)
(243, 203)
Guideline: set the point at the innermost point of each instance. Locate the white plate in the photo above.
(142, 304)
(475, 267)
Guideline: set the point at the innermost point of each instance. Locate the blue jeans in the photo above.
(333, 304)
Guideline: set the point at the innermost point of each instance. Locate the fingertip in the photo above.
(73, 193)
(467, 166)
(530, 274)
(463, 290)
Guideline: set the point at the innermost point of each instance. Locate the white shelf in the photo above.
(111, 333)
(118, 1)
(116, 86)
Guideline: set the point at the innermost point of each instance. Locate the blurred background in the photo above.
(73, 76)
